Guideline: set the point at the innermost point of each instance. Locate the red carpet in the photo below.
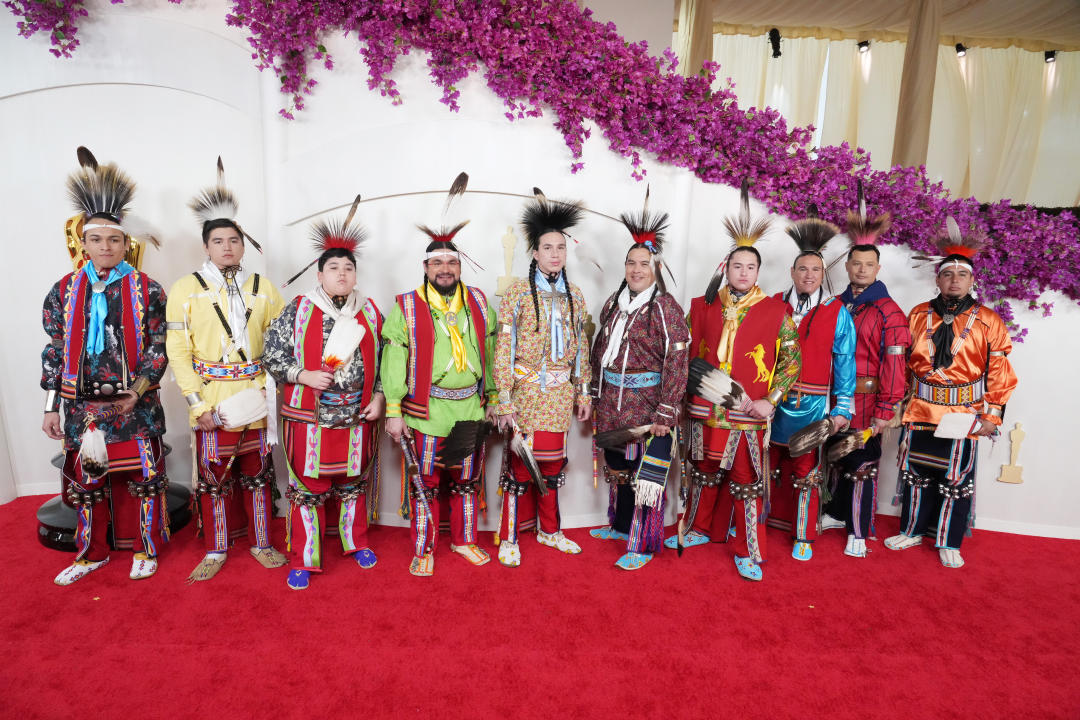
(892, 636)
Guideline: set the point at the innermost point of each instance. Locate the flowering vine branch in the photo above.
(551, 56)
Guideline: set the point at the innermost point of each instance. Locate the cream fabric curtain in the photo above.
(1055, 181)
(1003, 121)
(790, 83)
(862, 90)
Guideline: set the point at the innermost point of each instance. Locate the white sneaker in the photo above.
(950, 558)
(902, 542)
(828, 522)
(558, 541)
(856, 547)
(509, 554)
(142, 566)
(77, 571)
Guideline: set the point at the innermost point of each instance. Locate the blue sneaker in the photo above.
(633, 561)
(802, 551)
(299, 579)
(690, 539)
(608, 533)
(748, 569)
(365, 558)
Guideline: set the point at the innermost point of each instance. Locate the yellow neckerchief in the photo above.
(732, 307)
(451, 316)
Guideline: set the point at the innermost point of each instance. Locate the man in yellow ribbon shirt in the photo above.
(216, 317)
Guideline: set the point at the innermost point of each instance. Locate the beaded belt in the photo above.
(340, 399)
(866, 385)
(631, 379)
(455, 394)
(227, 371)
(950, 394)
(556, 376)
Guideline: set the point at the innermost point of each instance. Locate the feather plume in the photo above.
(86, 158)
(242, 409)
(215, 203)
(646, 228)
(352, 211)
(330, 234)
(848, 443)
(93, 452)
(443, 234)
(341, 344)
(457, 189)
(862, 230)
(464, 439)
(811, 234)
(525, 453)
(716, 386)
(743, 232)
(544, 216)
(954, 242)
(96, 188)
(810, 437)
(138, 227)
(621, 436)
(713, 288)
(539, 194)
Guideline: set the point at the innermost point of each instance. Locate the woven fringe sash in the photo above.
(651, 478)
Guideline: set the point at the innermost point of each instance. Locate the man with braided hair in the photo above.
(437, 370)
(216, 319)
(105, 357)
(542, 375)
(959, 367)
(324, 348)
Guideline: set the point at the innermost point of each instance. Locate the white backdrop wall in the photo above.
(192, 93)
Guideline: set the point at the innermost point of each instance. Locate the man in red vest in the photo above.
(324, 348)
(749, 336)
(827, 339)
(105, 357)
(438, 369)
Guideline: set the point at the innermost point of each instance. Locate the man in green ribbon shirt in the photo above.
(437, 369)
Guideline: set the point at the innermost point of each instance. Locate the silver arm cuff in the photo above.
(678, 346)
(174, 325)
(1000, 353)
(193, 399)
(293, 375)
(995, 412)
(52, 401)
(895, 350)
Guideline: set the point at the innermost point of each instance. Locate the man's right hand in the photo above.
(206, 422)
(762, 409)
(317, 379)
(51, 426)
(395, 428)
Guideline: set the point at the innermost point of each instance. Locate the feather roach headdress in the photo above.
(863, 230)
(442, 238)
(812, 233)
(743, 232)
(543, 216)
(954, 248)
(647, 229)
(97, 189)
(332, 234)
(219, 203)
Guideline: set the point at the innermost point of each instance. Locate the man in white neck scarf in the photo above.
(216, 317)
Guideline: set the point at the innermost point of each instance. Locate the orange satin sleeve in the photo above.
(986, 347)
